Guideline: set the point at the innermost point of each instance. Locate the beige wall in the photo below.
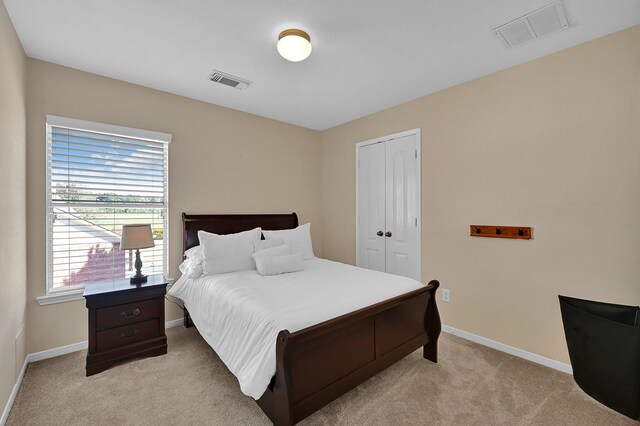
(554, 144)
(12, 206)
(220, 161)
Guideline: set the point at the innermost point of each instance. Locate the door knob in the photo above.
(387, 234)
(379, 234)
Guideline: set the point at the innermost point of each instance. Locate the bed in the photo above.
(322, 361)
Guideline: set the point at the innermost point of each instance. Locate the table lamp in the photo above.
(136, 237)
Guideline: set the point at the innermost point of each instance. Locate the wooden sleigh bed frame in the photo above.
(320, 363)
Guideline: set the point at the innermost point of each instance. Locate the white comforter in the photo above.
(240, 314)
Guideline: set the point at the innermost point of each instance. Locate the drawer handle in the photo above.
(133, 314)
(129, 336)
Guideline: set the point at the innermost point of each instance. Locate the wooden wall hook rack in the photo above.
(498, 231)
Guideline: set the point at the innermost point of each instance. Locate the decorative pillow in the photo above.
(275, 265)
(280, 250)
(228, 253)
(299, 239)
(265, 244)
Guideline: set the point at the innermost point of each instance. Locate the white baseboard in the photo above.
(14, 393)
(529, 356)
(51, 353)
(173, 323)
(62, 350)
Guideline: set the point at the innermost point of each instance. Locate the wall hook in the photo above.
(516, 232)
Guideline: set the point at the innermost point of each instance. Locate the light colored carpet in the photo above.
(471, 385)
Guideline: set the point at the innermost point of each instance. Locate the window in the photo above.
(100, 177)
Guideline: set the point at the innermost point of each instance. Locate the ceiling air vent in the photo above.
(531, 26)
(229, 80)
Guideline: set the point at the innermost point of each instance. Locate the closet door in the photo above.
(402, 199)
(371, 205)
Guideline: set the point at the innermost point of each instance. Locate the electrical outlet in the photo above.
(446, 295)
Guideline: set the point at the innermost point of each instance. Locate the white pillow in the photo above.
(299, 239)
(194, 253)
(265, 244)
(228, 253)
(274, 265)
(191, 267)
(280, 250)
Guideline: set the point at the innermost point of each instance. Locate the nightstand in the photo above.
(125, 321)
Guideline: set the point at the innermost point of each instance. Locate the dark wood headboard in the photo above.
(231, 223)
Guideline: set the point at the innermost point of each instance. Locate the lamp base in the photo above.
(138, 279)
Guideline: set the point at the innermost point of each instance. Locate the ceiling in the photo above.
(368, 55)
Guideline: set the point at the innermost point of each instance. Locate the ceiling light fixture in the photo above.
(294, 45)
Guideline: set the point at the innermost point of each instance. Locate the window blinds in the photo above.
(100, 177)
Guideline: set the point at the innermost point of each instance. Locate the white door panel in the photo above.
(372, 205)
(401, 206)
(388, 196)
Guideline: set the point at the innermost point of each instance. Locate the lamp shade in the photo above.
(294, 45)
(137, 236)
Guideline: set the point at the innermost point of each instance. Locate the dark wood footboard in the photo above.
(318, 364)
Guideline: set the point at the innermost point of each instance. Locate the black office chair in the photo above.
(604, 348)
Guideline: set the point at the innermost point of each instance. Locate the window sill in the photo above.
(60, 297)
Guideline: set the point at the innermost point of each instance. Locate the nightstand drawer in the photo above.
(130, 313)
(126, 335)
